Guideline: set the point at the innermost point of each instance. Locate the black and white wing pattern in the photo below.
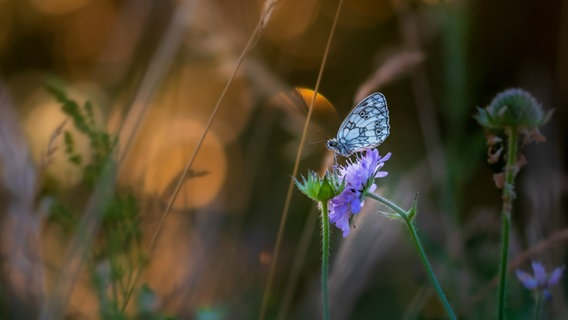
(366, 127)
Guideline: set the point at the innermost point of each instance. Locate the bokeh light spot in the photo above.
(157, 161)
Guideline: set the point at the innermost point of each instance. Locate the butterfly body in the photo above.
(366, 127)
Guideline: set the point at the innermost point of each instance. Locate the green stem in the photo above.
(324, 259)
(508, 196)
(538, 306)
(506, 226)
(418, 245)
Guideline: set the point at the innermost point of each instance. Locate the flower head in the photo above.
(513, 108)
(540, 281)
(511, 120)
(359, 178)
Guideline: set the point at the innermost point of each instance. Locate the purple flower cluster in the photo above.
(541, 280)
(359, 176)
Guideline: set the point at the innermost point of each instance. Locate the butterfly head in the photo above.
(334, 145)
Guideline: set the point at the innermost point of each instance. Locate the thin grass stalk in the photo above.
(286, 209)
(251, 41)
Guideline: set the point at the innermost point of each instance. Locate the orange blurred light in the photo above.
(265, 257)
(296, 104)
(164, 146)
(290, 19)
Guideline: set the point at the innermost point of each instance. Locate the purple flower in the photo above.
(359, 176)
(541, 280)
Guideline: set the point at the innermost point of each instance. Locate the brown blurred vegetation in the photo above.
(154, 70)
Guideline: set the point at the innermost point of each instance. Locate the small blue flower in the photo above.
(540, 281)
(359, 176)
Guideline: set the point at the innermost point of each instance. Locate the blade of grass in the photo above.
(182, 178)
(152, 78)
(55, 304)
(288, 200)
(297, 263)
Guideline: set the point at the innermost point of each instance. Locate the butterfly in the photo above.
(366, 127)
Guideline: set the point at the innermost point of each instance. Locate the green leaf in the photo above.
(411, 213)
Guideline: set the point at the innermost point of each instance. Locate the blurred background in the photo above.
(154, 72)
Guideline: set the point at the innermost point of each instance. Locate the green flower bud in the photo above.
(320, 189)
(513, 108)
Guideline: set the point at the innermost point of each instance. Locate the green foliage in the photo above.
(147, 303)
(211, 314)
(101, 142)
(117, 253)
(62, 216)
(121, 218)
(74, 157)
(320, 189)
(108, 308)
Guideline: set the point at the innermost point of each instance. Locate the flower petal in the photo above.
(555, 276)
(526, 279)
(356, 205)
(359, 176)
(372, 188)
(539, 273)
(381, 174)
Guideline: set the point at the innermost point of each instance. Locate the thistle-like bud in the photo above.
(512, 118)
(320, 189)
(513, 108)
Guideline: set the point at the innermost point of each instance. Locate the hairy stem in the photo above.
(324, 259)
(508, 196)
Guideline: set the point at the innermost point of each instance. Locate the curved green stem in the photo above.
(508, 196)
(324, 259)
(418, 245)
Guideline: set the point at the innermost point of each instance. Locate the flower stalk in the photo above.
(407, 216)
(324, 260)
(508, 196)
(538, 306)
(516, 114)
(341, 194)
(322, 190)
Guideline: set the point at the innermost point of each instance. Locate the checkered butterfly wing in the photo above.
(366, 127)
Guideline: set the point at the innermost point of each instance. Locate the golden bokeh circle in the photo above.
(164, 146)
